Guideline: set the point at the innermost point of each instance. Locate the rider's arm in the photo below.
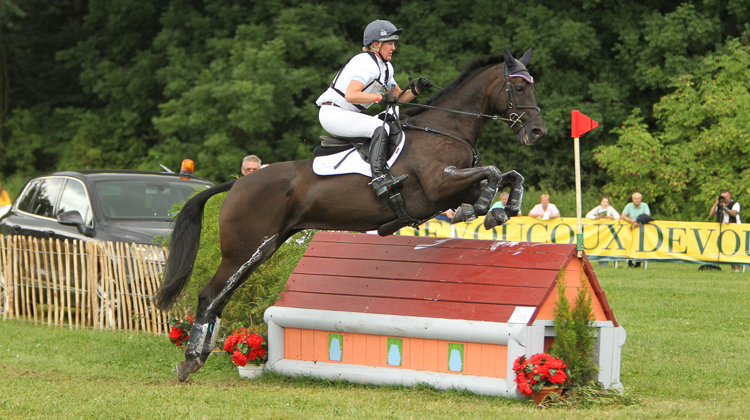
(355, 94)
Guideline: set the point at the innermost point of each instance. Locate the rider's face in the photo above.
(386, 50)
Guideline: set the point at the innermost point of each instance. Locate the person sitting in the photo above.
(250, 164)
(603, 211)
(365, 79)
(503, 202)
(545, 210)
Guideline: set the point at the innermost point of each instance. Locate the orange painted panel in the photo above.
(292, 344)
(307, 349)
(443, 356)
(548, 342)
(490, 360)
(320, 346)
(573, 273)
(431, 357)
(405, 353)
(373, 350)
(359, 349)
(473, 359)
(416, 353)
(501, 358)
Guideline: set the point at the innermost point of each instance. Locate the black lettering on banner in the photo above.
(736, 243)
(702, 245)
(615, 237)
(659, 237)
(672, 240)
(553, 236)
(528, 234)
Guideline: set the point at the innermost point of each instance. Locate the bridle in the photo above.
(513, 118)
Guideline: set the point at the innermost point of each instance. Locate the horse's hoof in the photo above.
(465, 213)
(495, 217)
(187, 367)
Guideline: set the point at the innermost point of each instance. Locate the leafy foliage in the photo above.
(574, 341)
(701, 146)
(130, 84)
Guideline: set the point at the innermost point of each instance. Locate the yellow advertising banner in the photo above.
(658, 240)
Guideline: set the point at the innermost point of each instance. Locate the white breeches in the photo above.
(343, 123)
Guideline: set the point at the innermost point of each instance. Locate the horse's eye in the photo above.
(519, 88)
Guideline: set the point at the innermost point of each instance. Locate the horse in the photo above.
(263, 209)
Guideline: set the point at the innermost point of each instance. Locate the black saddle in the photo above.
(330, 145)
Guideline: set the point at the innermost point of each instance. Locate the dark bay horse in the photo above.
(265, 208)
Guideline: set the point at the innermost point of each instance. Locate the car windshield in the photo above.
(143, 199)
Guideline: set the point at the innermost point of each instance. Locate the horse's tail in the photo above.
(183, 246)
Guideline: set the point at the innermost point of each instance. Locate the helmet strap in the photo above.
(377, 50)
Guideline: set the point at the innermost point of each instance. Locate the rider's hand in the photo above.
(423, 84)
(390, 97)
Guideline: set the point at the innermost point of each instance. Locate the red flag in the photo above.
(581, 124)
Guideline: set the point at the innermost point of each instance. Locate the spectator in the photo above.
(603, 211)
(446, 216)
(250, 164)
(545, 210)
(726, 211)
(503, 202)
(636, 208)
(632, 212)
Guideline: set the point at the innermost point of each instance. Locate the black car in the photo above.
(106, 205)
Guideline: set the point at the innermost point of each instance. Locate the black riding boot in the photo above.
(382, 179)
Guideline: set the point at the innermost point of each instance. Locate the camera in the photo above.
(721, 199)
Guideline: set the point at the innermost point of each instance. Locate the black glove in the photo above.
(423, 84)
(390, 97)
(420, 85)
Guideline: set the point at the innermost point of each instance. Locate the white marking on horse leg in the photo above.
(257, 255)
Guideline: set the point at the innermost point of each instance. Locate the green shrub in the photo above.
(574, 341)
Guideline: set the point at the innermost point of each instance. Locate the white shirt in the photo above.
(545, 214)
(361, 68)
(598, 209)
(735, 207)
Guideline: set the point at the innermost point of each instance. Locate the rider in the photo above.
(365, 79)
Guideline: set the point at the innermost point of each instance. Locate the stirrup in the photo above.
(383, 183)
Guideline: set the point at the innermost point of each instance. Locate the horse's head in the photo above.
(516, 102)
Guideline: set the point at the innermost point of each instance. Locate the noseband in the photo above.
(514, 117)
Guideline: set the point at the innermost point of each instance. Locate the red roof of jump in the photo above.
(476, 280)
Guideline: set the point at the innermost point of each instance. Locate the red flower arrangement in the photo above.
(247, 345)
(180, 329)
(539, 371)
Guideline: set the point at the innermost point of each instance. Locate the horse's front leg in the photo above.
(467, 177)
(499, 216)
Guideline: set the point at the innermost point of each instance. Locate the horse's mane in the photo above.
(471, 69)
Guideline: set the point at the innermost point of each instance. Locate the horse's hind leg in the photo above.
(211, 302)
(499, 216)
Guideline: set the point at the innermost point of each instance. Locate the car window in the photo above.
(49, 191)
(74, 197)
(40, 197)
(142, 198)
(25, 201)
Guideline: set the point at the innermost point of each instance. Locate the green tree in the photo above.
(701, 143)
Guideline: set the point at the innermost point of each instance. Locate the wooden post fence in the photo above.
(102, 285)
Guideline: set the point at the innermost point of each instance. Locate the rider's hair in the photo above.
(369, 48)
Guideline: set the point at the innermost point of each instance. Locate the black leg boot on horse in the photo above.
(382, 178)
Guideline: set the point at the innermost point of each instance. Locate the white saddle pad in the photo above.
(352, 164)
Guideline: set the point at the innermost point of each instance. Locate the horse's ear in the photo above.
(526, 58)
(510, 62)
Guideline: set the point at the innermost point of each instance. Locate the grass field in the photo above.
(686, 356)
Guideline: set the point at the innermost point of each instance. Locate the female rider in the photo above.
(365, 79)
